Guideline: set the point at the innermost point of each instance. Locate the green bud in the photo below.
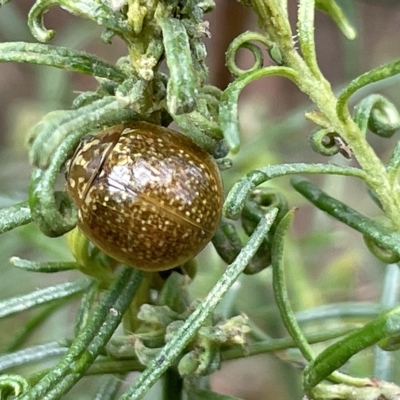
(378, 114)
(275, 54)
(188, 364)
(385, 255)
(384, 119)
(380, 252)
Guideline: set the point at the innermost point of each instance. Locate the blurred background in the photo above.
(326, 261)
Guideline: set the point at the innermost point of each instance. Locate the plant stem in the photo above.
(320, 93)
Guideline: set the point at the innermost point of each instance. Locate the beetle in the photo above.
(146, 195)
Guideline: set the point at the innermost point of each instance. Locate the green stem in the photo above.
(280, 290)
(282, 301)
(273, 18)
(320, 93)
(322, 96)
(305, 27)
(273, 345)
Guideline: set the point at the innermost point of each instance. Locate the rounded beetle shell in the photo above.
(147, 195)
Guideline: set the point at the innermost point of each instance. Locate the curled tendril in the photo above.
(328, 143)
(101, 14)
(13, 385)
(323, 143)
(226, 240)
(53, 212)
(258, 203)
(378, 114)
(258, 60)
(228, 109)
(243, 41)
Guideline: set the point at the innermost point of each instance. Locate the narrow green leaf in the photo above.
(340, 311)
(41, 296)
(31, 355)
(375, 75)
(182, 86)
(340, 352)
(305, 29)
(381, 235)
(14, 216)
(383, 360)
(109, 387)
(185, 122)
(59, 57)
(280, 289)
(274, 345)
(46, 267)
(336, 13)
